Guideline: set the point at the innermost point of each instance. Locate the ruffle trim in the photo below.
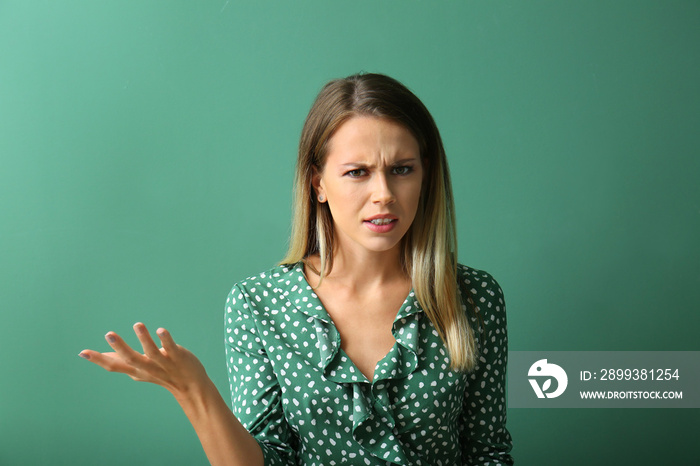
(374, 427)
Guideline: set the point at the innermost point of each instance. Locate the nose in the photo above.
(381, 190)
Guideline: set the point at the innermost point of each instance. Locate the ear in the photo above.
(317, 184)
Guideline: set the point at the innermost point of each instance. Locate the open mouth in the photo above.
(382, 221)
(382, 224)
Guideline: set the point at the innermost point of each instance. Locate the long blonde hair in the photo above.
(430, 246)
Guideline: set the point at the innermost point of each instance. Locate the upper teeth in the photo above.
(381, 221)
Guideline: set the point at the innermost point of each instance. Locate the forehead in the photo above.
(370, 138)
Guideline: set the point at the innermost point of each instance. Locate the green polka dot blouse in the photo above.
(305, 402)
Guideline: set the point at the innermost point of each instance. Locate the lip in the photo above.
(381, 228)
(392, 217)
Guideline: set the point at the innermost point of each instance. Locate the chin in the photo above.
(382, 245)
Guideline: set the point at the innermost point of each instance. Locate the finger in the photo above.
(108, 361)
(125, 351)
(149, 347)
(167, 341)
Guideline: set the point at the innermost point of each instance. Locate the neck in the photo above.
(368, 266)
(363, 269)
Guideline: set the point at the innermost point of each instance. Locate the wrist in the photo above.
(197, 397)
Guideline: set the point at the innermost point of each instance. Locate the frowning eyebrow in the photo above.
(369, 165)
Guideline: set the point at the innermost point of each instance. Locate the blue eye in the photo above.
(403, 170)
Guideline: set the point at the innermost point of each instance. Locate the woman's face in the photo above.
(372, 181)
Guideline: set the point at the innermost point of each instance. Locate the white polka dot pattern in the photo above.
(297, 392)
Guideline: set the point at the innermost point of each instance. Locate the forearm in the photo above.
(225, 441)
(223, 437)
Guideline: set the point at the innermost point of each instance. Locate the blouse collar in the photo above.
(401, 360)
(372, 412)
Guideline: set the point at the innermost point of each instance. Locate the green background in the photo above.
(146, 158)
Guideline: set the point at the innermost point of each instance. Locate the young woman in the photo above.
(369, 344)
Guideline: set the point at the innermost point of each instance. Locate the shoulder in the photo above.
(480, 284)
(280, 275)
(482, 296)
(264, 286)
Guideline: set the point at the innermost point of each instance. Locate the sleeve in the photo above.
(485, 439)
(256, 397)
